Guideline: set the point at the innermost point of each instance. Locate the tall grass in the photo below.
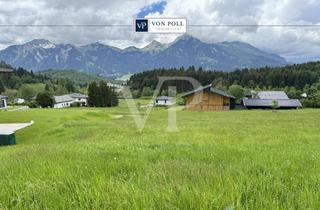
(96, 159)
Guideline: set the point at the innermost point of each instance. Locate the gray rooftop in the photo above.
(268, 102)
(63, 98)
(164, 98)
(69, 97)
(3, 97)
(211, 89)
(272, 95)
(77, 95)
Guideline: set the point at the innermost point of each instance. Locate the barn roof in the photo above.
(268, 102)
(69, 97)
(272, 95)
(211, 89)
(63, 98)
(163, 98)
(77, 95)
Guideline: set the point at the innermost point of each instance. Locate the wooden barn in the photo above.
(209, 98)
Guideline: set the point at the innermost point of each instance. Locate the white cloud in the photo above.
(293, 43)
(287, 41)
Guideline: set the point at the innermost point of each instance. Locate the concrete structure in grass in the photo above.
(7, 132)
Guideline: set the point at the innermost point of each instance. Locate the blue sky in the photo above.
(153, 8)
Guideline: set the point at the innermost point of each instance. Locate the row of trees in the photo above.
(297, 76)
(300, 81)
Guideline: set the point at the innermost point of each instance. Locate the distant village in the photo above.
(204, 98)
(207, 98)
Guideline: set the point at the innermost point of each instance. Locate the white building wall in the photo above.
(163, 102)
(62, 105)
(80, 100)
(68, 103)
(19, 100)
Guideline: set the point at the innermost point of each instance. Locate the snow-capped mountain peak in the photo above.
(97, 58)
(41, 43)
(154, 46)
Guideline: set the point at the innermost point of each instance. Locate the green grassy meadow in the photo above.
(82, 158)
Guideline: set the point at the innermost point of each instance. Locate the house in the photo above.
(264, 100)
(19, 100)
(67, 100)
(63, 101)
(209, 98)
(79, 98)
(3, 101)
(116, 87)
(164, 101)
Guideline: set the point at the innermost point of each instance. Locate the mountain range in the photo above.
(100, 59)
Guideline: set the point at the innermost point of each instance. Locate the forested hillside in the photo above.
(77, 77)
(26, 84)
(293, 79)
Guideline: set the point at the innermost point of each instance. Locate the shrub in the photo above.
(237, 91)
(45, 99)
(101, 95)
(32, 104)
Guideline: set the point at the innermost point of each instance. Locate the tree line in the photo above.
(295, 80)
(297, 75)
